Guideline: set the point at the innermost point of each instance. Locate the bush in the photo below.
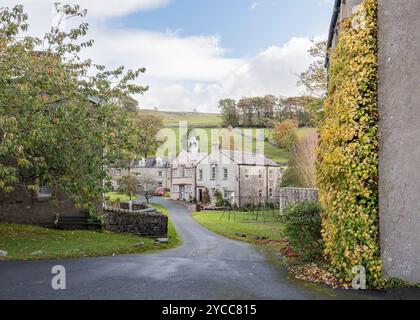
(303, 229)
(284, 134)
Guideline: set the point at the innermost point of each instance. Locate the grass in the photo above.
(194, 119)
(21, 241)
(246, 223)
(116, 195)
(274, 153)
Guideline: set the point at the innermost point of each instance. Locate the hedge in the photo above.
(348, 154)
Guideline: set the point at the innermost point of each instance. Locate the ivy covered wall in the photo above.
(348, 153)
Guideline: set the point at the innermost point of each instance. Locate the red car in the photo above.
(159, 192)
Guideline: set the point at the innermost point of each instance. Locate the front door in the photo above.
(182, 192)
(200, 195)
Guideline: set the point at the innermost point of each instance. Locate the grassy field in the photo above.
(194, 119)
(276, 154)
(24, 242)
(267, 226)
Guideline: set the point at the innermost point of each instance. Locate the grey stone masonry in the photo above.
(146, 222)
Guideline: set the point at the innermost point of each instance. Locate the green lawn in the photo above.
(268, 225)
(22, 241)
(116, 195)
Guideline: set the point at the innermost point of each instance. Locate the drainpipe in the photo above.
(333, 25)
(239, 186)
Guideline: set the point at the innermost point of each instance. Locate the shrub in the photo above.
(301, 171)
(303, 229)
(284, 134)
(348, 152)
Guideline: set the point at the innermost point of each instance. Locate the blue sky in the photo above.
(197, 52)
(245, 27)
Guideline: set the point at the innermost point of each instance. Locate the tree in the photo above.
(315, 78)
(130, 104)
(128, 185)
(301, 171)
(284, 134)
(147, 186)
(147, 127)
(59, 123)
(229, 112)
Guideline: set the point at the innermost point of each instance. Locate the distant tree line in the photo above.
(267, 111)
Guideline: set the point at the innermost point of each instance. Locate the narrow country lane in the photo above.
(205, 266)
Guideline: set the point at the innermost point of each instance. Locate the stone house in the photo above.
(399, 131)
(184, 175)
(241, 177)
(159, 168)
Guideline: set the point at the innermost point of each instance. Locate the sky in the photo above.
(197, 52)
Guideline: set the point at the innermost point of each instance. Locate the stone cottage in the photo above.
(183, 175)
(159, 168)
(241, 177)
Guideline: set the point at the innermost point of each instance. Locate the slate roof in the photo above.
(248, 158)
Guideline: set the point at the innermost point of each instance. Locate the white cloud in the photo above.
(254, 5)
(183, 72)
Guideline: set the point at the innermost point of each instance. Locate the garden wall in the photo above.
(146, 222)
(290, 196)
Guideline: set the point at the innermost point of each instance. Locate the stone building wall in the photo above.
(399, 137)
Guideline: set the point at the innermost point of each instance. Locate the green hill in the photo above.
(194, 119)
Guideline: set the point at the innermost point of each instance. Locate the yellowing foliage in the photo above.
(348, 153)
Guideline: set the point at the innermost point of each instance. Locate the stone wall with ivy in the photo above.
(348, 153)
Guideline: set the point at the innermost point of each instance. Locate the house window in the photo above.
(118, 172)
(260, 193)
(246, 173)
(160, 174)
(213, 173)
(159, 161)
(182, 172)
(213, 192)
(225, 195)
(160, 184)
(225, 173)
(200, 174)
(176, 188)
(142, 163)
(44, 192)
(270, 192)
(271, 174)
(260, 174)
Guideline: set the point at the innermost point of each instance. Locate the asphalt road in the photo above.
(205, 266)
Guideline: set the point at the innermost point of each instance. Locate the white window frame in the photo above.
(270, 192)
(225, 173)
(270, 174)
(182, 172)
(260, 174)
(200, 174)
(213, 173)
(160, 173)
(260, 193)
(246, 173)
